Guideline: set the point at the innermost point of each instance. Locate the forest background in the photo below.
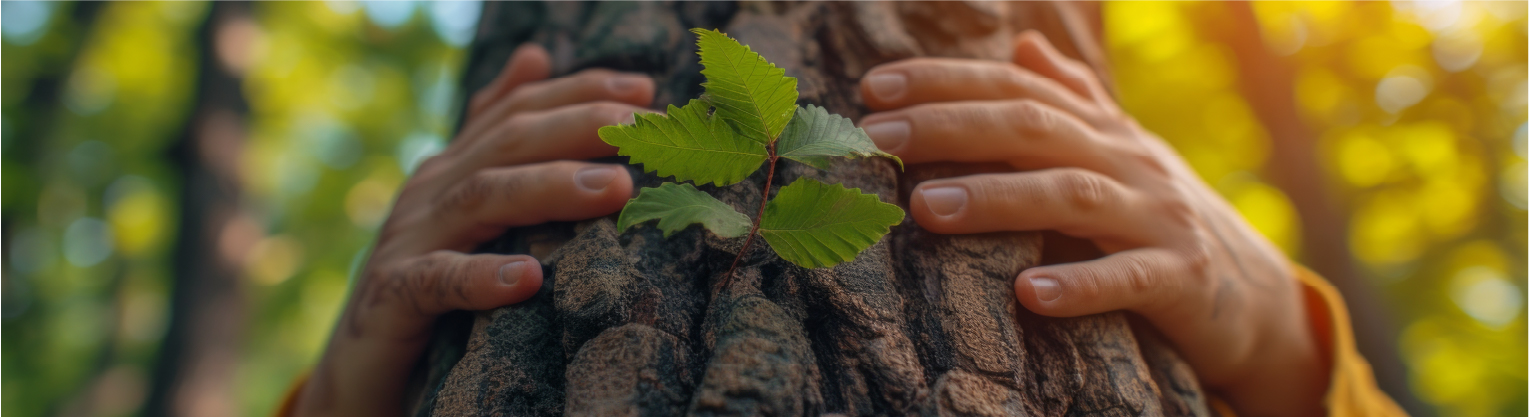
(187, 186)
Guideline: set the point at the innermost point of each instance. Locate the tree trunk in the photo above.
(198, 359)
(635, 323)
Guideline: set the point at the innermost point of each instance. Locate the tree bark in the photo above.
(636, 323)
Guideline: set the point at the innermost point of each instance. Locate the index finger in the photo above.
(933, 80)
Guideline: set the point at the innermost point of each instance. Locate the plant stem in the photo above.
(763, 198)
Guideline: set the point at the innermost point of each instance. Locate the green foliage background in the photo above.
(1420, 110)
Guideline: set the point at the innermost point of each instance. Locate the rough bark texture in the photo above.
(638, 324)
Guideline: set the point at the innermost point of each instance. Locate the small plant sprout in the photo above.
(749, 117)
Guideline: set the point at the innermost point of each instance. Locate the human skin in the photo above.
(1178, 254)
(513, 164)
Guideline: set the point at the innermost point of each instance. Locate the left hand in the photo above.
(1178, 254)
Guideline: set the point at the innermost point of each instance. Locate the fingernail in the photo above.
(889, 135)
(510, 273)
(1046, 289)
(595, 178)
(622, 85)
(887, 87)
(945, 201)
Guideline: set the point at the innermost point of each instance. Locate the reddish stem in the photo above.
(764, 198)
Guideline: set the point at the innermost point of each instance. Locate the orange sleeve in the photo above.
(1352, 391)
(289, 401)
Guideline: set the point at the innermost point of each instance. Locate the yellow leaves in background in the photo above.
(368, 201)
(1372, 56)
(1266, 208)
(1464, 365)
(139, 56)
(1420, 108)
(1433, 190)
(274, 259)
(1362, 160)
(1514, 185)
(1230, 139)
(1153, 31)
(1385, 231)
(140, 217)
(1325, 98)
(1292, 25)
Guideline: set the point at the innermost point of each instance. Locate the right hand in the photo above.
(513, 164)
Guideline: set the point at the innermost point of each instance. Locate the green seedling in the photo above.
(748, 117)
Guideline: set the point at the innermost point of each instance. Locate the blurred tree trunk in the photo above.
(194, 375)
(635, 323)
(1269, 84)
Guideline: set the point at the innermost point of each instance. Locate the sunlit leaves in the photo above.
(1410, 107)
(818, 225)
(687, 144)
(677, 206)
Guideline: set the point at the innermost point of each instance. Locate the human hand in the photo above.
(497, 174)
(1178, 254)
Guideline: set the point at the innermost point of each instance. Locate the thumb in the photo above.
(1148, 281)
(443, 281)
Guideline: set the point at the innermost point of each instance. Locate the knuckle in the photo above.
(522, 94)
(1085, 191)
(1196, 259)
(467, 196)
(431, 166)
(425, 275)
(1030, 118)
(953, 118)
(1138, 273)
(506, 137)
(1018, 79)
(1082, 71)
(1177, 212)
(1141, 157)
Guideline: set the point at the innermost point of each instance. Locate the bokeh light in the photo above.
(1418, 113)
(1415, 112)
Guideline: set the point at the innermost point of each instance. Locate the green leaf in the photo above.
(677, 206)
(749, 91)
(818, 225)
(687, 144)
(815, 134)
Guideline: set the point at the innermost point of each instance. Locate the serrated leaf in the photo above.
(688, 144)
(818, 225)
(677, 206)
(751, 92)
(815, 134)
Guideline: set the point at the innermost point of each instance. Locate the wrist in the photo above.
(359, 375)
(1286, 374)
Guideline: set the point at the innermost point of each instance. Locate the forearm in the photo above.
(366, 380)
